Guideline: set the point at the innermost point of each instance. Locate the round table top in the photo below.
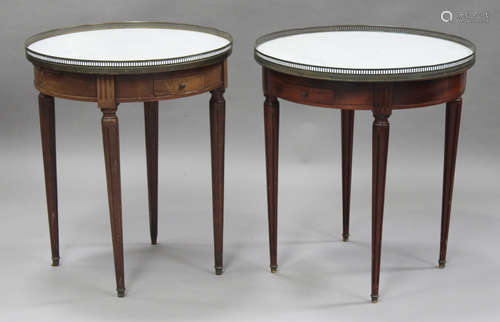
(365, 53)
(128, 47)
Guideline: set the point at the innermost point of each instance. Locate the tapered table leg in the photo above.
(271, 126)
(453, 112)
(217, 130)
(48, 133)
(347, 120)
(151, 127)
(380, 143)
(111, 144)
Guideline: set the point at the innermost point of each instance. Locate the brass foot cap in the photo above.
(274, 268)
(345, 237)
(442, 263)
(218, 270)
(55, 261)
(374, 298)
(120, 292)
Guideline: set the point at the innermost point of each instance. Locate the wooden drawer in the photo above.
(182, 85)
(303, 94)
(309, 94)
(318, 92)
(179, 86)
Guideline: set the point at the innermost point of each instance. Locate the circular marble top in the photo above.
(365, 53)
(127, 48)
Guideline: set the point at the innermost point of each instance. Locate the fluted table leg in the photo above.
(111, 143)
(347, 120)
(380, 143)
(453, 112)
(48, 134)
(271, 125)
(151, 129)
(217, 130)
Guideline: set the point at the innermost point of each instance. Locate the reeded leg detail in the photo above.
(380, 148)
(111, 144)
(452, 127)
(151, 128)
(347, 120)
(48, 134)
(271, 125)
(217, 131)
(380, 143)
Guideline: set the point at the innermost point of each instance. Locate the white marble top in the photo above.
(364, 49)
(365, 53)
(128, 44)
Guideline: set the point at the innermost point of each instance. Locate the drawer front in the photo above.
(304, 94)
(318, 92)
(313, 95)
(178, 86)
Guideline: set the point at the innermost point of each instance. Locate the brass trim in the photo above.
(366, 75)
(146, 66)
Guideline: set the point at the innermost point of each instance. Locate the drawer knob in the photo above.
(305, 94)
(182, 86)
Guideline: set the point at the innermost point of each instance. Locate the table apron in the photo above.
(133, 88)
(359, 95)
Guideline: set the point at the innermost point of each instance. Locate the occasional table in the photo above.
(116, 63)
(374, 68)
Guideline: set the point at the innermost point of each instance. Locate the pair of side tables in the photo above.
(350, 67)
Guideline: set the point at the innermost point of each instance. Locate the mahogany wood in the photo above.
(359, 95)
(452, 127)
(106, 101)
(151, 129)
(111, 144)
(108, 91)
(217, 130)
(48, 134)
(381, 98)
(271, 126)
(132, 88)
(347, 121)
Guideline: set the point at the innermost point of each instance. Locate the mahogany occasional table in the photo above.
(130, 62)
(374, 68)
